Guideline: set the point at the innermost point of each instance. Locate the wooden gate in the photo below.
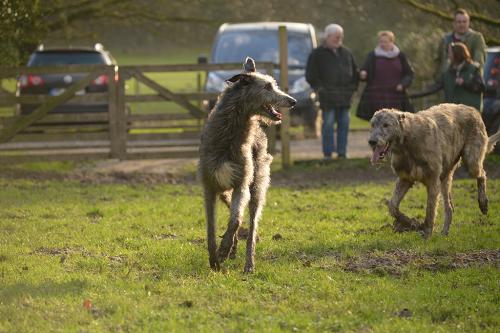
(119, 133)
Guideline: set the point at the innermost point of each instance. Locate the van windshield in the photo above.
(261, 45)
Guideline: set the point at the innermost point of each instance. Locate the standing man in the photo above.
(332, 73)
(462, 32)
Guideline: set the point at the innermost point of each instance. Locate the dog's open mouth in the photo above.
(379, 152)
(273, 113)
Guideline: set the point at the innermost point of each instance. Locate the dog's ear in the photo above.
(234, 78)
(249, 65)
(243, 78)
(401, 117)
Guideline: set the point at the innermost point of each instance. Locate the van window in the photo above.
(261, 45)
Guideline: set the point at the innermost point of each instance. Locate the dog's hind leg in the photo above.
(210, 212)
(239, 201)
(258, 192)
(447, 203)
(481, 195)
(473, 157)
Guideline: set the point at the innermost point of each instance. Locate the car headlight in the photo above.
(299, 86)
(215, 83)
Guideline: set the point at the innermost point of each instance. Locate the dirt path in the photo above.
(309, 168)
(306, 149)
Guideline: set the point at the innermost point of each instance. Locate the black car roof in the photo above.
(69, 51)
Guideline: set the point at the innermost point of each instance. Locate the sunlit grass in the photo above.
(132, 257)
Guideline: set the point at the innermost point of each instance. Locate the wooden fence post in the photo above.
(271, 130)
(285, 122)
(117, 115)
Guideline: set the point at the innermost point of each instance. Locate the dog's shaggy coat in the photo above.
(234, 163)
(427, 147)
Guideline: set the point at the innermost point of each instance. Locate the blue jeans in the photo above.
(341, 116)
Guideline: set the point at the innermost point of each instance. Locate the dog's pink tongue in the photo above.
(376, 154)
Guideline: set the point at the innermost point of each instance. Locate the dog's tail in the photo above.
(492, 140)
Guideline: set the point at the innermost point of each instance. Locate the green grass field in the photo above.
(81, 256)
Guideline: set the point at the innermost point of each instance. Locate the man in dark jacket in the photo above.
(332, 73)
(462, 32)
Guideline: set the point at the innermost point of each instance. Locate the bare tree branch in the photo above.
(490, 40)
(109, 9)
(447, 16)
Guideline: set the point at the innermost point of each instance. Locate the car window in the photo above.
(66, 58)
(262, 45)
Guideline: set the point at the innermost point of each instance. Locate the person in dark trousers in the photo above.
(332, 73)
(388, 75)
(462, 82)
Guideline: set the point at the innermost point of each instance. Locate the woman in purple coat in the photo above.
(388, 75)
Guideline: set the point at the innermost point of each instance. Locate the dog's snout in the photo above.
(292, 101)
(372, 142)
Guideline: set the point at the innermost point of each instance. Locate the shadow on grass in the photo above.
(44, 289)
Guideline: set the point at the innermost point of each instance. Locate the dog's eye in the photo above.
(385, 125)
(268, 86)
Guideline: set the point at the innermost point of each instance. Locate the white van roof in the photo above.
(292, 26)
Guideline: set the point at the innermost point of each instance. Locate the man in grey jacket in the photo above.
(332, 73)
(462, 32)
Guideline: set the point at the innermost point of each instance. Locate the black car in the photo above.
(491, 101)
(234, 42)
(55, 84)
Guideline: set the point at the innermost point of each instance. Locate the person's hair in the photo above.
(387, 33)
(460, 53)
(460, 11)
(332, 29)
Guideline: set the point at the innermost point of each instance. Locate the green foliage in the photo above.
(117, 257)
(22, 29)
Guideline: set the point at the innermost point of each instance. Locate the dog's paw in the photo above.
(404, 223)
(222, 254)
(426, 233)
(249, 269)
(483, 206)
(214, 264)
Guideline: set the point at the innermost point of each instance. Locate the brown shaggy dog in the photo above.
(427, 147)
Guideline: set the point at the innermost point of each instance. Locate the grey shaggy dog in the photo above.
(234, 163)
(427, 147)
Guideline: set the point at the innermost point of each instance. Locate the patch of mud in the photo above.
(55, 251)
(317, 173)
(395, 262)
(66, 252)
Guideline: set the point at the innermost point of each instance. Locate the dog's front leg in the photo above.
(402, 187)
(226, 198)
(239, 202)
(430, 214)
(402, 222)
(258, 192)
(448, 205)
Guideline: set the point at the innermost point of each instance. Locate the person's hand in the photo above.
(459, 81)
(399, 87)
(363, 75)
